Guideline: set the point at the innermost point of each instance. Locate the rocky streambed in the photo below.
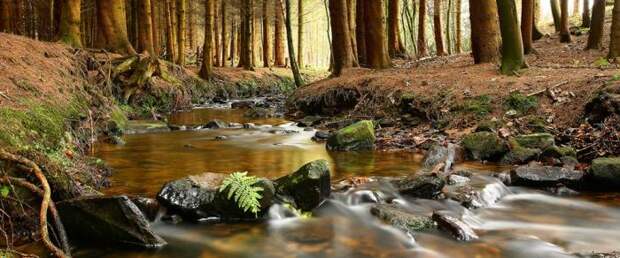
(347, 202)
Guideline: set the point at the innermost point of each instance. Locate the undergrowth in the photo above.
(241, 186)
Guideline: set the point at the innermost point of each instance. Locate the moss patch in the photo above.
(479, 106)
(521, 103)
(484, 146)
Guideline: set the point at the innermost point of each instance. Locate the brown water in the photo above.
(524, 223)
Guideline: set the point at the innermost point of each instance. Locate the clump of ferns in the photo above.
(241, 187)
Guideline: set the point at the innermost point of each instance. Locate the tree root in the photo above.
(45, 202)
(60, 229)
(135, 72)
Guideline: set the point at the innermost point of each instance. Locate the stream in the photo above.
(522, 223)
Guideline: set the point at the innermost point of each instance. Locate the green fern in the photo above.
(241, 187)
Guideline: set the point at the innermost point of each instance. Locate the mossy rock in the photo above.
(307, 188)
(537, 124)
(519, 154)
(484, 146)
(559, 151)
(401, 219)
(536, 141)
(521, 103)
(606, 171)
(355, 137)
(479, 106)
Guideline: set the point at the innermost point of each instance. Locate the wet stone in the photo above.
(454, 226)
(308, 187)
(423, 186)
(216, 124)
(400, 218)
(535, 175)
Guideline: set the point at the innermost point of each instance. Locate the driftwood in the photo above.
(45, 202)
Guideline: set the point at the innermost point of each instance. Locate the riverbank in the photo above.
(56, 102)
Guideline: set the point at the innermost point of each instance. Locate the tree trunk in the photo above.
(223, 32)
(536, 34)
(191, 24)
(247, 13)
(181, 32)
(484, 31)
(512, 46)
(233, 43)
(527, 24)
(170, 37)
(278, 42)
(614, 42)
(300, 33)
(206, 69)
(597, 26)
(70, 23)
(341, 43)
(585, 17)
(564, 30)
(395, 44)
(291, 47)
(437, 27)
(156, 27)
(376, 49)
(5, 16)
(145, 32)
(266, 35)
(555, 11)
(360, 32)
(113, 25)
(216, 34)
(422, 52)
(351, 14)
(459, 36)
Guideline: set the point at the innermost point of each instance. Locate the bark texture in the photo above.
(484, 31)
(614, 42)
(206, 69)
(527, 25)
(564, 30)
(113, 26)
(376, 49)
(396, 47)
(512, 46)
(70, 20)
(437, 28)
(341, 43)
(597, 26)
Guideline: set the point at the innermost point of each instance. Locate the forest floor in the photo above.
(452, 95)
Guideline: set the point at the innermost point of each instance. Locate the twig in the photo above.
(45, 202)
(4, 95)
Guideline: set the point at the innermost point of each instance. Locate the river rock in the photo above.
(400, 218)
(423, 186)
(484, 146)
(198, 197)
(356, 137)
(457, 179)
(192, 196)
(149, 207)
(107, 219)
(454, 226)
(439, 154)
(519, 154)
(536, 141)
(309, 121)
(321, 136)
(260, 112)
(478, 192)
(308, 187)
(243, 104)
(544, 176)
(216, 124)
(606, 171)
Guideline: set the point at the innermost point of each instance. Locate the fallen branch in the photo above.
(548, 89)
(45, 202)
(62, 235)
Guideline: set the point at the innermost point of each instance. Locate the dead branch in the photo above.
(548, 89)
(45, 202)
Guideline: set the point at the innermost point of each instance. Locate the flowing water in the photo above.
(514, 222)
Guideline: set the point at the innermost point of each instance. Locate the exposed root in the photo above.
(45, 202)
(60, 229)
(136, 72)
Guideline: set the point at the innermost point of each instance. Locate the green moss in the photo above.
(559, 151)
(480, 106)
(537, 124)
(521, 103)
(488, 126)
(606, 170)
(117, 116)
(519, 154)
(358, 136)
(537, 140)
(484, 146)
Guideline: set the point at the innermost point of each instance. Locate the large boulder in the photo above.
(484, 146)
(198, 197)
(307, 188)
(606, 171)
(398, 217)
(358, 136)
(423, 186)
(545, 176)
(107, 219)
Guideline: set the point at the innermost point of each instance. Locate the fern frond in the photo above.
(241, 189)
